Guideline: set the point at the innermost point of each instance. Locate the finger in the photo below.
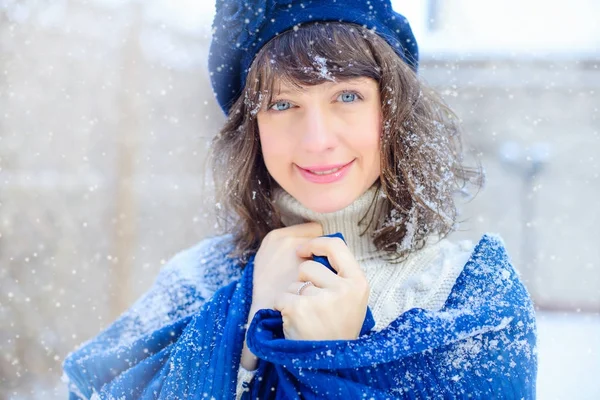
(307, 290)
(285, 301)
(309, 230)
(336, 251)
(317, 273)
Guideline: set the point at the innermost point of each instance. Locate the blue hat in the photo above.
(242, 27)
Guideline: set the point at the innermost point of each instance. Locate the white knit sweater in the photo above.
(423, 280)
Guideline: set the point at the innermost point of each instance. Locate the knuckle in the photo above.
(364, 287)
(346, 290)
(287, 240)
(304, 268)
(361, 285)
(278, 236)
(273, 234)
(338, 241)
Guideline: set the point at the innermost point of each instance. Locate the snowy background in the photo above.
(106, 111)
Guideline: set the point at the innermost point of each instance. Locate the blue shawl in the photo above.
(481, 344)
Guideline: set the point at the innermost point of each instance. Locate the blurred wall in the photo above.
(105, 116)
(525, 78)
(518, 27)
(536, 124)
(104, 126)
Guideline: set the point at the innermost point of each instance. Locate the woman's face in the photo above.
(321, 143)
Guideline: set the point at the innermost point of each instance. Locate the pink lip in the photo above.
(329, 178)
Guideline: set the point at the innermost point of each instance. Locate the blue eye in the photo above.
(348, 97)
(280, 106)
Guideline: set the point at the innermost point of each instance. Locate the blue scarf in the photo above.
(480, 344)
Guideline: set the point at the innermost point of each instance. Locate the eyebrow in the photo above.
(357, 81)
(288, 91)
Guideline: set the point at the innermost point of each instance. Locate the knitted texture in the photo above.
(423, 280)
(480, 344)
(242, 27)
(181, 288)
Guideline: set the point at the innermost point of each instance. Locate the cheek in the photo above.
(275, 148)
(368, 139)
(375, 156)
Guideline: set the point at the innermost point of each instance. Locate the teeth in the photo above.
(330, 171)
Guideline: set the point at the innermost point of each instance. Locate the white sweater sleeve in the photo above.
(243, 381)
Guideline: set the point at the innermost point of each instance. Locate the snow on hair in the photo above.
(423, 166)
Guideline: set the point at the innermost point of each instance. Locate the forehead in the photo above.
(285, 86)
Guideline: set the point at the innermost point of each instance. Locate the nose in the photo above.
(318, 133)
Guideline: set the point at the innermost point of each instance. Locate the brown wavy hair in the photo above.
(422, 162)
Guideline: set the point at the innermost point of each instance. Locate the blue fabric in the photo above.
(242, 27)
(481, 344)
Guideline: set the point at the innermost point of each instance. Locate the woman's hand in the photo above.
(275, 268)
(334, 307)
(276, 262)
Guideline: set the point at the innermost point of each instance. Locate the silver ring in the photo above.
(304, 285)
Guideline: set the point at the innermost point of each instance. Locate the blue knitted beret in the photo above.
(242, 27)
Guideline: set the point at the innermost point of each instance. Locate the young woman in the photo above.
(338, 168)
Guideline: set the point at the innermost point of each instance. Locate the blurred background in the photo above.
(106, 112)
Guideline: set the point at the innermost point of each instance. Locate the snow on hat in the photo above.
(242, 27)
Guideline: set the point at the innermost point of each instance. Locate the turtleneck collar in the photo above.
(348, 221)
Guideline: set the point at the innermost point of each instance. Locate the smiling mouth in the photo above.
(327, 172)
